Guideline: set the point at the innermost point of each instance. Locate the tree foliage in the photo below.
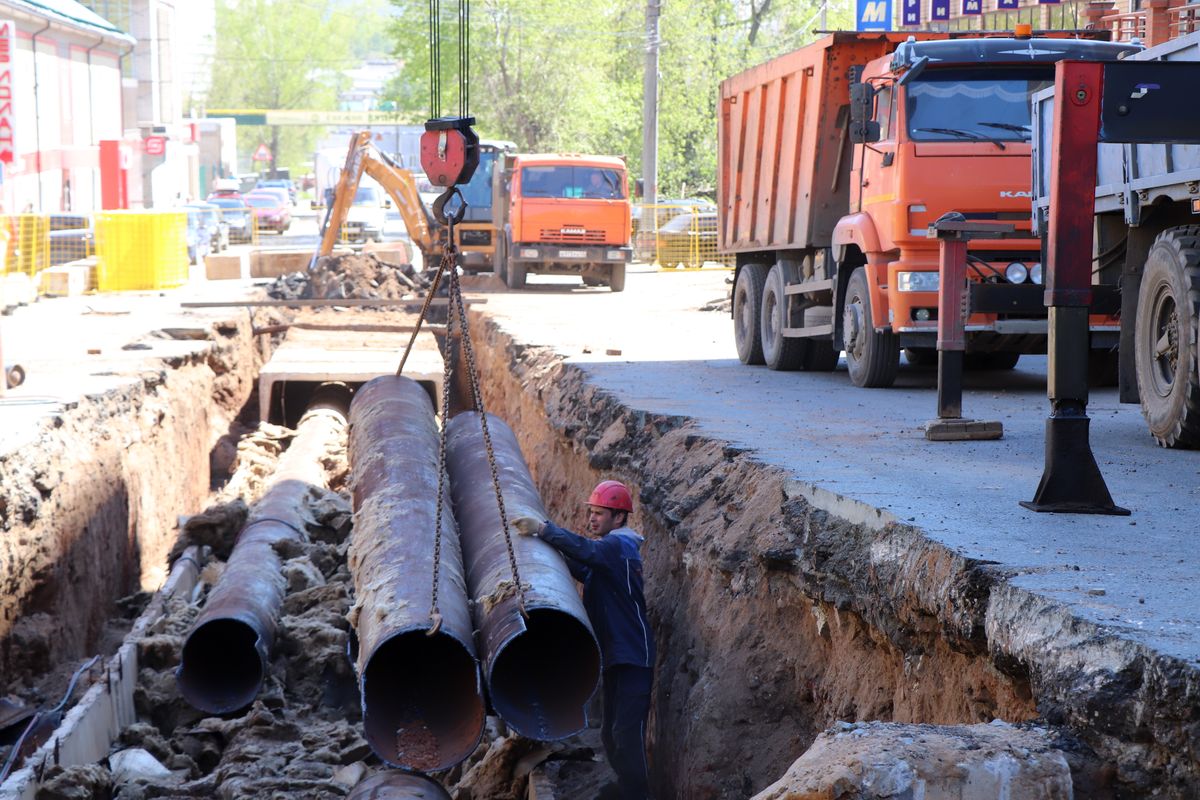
(563, 75)
(284, 54)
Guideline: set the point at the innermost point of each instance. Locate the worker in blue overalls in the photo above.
(608, 562)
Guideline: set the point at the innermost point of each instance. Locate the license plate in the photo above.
(572, 253)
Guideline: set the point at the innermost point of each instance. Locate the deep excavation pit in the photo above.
(778, 609)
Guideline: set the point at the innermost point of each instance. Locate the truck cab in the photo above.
(562, 214)
(835, 159)
(951, 133)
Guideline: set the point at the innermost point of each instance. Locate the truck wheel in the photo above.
(747, 305)
(779, 351)
(516, 275)
(873, 358)
(821, 356)
(1165, 338)
(616, 278)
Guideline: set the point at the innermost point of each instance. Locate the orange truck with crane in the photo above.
(562, 214)
(833, 162)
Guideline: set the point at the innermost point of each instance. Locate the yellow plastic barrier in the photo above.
(141, 250)
(29, 242)
(678, 235)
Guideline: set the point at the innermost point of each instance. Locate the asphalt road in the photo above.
(1134, 574)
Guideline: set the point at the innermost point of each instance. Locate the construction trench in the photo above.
(784, 615)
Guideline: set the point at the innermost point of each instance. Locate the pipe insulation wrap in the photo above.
(540, 673)
(226, 655)
(422, 699)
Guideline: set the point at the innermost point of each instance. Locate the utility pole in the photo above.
(650, 106)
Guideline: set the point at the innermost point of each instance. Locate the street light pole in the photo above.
(650, 106)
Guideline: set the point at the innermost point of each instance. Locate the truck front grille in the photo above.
(558, 235)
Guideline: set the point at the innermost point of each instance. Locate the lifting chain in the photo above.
(457, 313)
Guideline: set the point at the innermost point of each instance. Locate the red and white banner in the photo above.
(8, 41)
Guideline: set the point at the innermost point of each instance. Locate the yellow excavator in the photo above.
(475, 235)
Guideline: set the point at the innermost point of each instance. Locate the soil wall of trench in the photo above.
(779, 608)
(89, 511)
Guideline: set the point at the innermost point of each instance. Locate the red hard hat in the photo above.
(611, 494)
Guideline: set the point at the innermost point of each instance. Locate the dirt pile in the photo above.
(359, 275)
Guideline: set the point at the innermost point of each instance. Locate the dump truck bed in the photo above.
(783, 144)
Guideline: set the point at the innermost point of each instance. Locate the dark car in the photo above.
(218, 229)
(278, 183)
(71, 238)
(269, 212)
(237, 216)
(688, 240)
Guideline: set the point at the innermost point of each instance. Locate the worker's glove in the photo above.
(527, 526)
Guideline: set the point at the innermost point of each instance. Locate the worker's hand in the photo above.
(527, 526)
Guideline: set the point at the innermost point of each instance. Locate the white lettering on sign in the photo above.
(8, 33)
(874, 13)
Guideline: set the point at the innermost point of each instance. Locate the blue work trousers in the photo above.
(626, 705)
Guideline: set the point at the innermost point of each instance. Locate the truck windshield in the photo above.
(478, 192)
(989, 104)
(569, 181)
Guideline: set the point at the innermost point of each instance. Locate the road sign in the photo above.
(263, 153)
(155, 145)
(874, 15)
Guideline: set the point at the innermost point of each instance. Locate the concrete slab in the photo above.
(311, 357)
(273, 263)
(1133, 576)
(228, 266)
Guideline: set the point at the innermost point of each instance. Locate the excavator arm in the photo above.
(364, 157)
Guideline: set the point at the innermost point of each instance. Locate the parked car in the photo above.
(285, 199)
(218, 229)
(645, 221)
(270, 213)
(688, 239)
(237, 216)
(199, 240)
(279, 183)
(367, 215)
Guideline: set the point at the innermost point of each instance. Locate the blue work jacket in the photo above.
(610, 569)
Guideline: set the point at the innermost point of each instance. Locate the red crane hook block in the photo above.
(449, 150)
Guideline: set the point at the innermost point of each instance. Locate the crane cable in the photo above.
(457, 318)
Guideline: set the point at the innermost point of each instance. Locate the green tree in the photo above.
(567, 76)
(282, 54)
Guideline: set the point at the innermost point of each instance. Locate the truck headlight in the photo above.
(1035, 273)
(615, 255)
(529, 252)
(917, 281)
(1016, 272)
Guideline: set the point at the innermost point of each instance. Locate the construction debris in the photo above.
(356, 276)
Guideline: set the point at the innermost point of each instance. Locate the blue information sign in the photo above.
(873, 15)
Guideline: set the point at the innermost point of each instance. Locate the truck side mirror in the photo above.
(862, 106)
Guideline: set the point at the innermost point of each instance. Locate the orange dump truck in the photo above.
(826, 202)
(562, 215)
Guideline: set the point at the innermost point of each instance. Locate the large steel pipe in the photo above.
(398, 786)
(540, 672)
(226, 654)
(421, 696)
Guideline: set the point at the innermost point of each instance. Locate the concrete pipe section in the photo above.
(421, 695)
(398, 786)
(226, 654)
(540, 673)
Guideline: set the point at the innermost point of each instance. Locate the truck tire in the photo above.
(821, 356)
(873, 358)
(1165, 338)
(515, 277)
(616, 278)
(779, 352)
(747, 305)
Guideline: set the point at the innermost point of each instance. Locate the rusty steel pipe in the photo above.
(539, 672)
(226, 654)
(398, 786)
(422, 699)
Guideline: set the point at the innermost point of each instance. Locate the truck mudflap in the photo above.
(565, 255)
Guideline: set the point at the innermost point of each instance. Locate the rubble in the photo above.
(359, 275)
(880, 760)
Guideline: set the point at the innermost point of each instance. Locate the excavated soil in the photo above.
(362, 276)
